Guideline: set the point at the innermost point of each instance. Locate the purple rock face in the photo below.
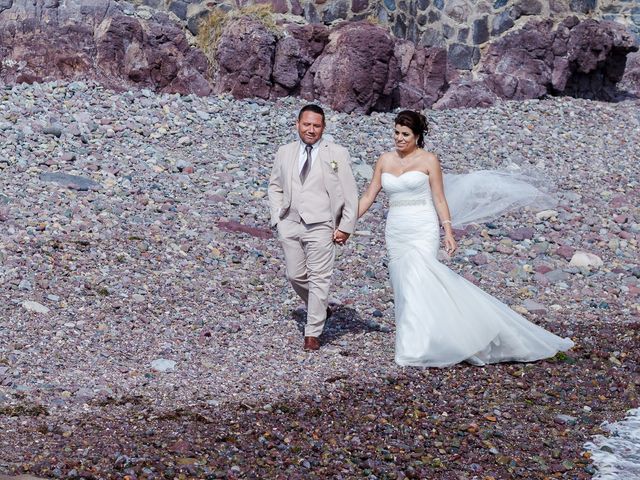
(354, 67)
(252, 61)
(596, 54)
(357, 70)
(581, 59)
(295, 53)
(424, 75)
(466, 94)
(519, 65)
(631, 77)
(390, 73)
(358, 67)
(94, 40)
(245, 59)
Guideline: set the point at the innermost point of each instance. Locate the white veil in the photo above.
(484, 195)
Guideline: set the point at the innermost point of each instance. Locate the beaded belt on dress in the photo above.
(407, 203)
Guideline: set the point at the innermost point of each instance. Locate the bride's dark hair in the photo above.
(416, 122)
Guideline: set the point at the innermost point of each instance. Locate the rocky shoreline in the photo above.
(148, 331)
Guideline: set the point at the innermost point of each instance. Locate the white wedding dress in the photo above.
(441, 318)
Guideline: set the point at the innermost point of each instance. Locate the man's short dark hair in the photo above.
(312, 108)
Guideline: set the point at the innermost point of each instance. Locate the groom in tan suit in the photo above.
(314, 203)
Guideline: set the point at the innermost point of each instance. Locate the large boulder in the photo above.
(520, 65)
(357, 71)
(363, 68)
(244, 59)
(631, 78)
(253, 60)
(596, 55)
(466, 93)
(100, 40)
(423, 75)
(580, 59)
(295, 53)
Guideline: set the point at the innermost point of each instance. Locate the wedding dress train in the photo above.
(441, 318)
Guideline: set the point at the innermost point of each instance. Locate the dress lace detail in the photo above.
(441, 318)
(407, 203)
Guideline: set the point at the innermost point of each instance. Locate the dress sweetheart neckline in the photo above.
(403, 173)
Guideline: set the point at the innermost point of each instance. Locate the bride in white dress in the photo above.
(441, 318)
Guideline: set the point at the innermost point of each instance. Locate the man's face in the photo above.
(310, 127)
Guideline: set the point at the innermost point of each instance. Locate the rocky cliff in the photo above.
(362, 68)
(44, 40)
(357, 66)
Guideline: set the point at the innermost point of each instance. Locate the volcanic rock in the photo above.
(101, 41)
(357, 70)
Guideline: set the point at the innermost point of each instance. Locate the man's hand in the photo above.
(340, 237)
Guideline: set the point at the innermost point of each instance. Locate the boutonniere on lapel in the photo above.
(334, 165)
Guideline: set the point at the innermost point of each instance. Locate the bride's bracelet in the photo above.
(446, 221)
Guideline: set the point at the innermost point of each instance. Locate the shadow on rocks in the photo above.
(342, 321)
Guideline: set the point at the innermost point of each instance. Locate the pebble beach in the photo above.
(147, 329)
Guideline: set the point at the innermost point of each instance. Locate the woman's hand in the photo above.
(450, 245)
(340, 237)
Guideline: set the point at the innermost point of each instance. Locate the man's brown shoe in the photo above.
(311, 343)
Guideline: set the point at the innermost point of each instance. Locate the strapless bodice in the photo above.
(409, 188)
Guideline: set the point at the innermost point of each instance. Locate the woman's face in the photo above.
(404, 138)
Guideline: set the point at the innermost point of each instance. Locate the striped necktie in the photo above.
(307, 164)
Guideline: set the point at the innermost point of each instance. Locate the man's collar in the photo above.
(313, 145)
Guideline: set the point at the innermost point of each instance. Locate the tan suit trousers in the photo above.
(309, 254)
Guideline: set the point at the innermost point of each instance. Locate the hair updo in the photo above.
(416, 122)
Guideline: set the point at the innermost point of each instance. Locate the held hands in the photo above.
(450, 245)
(340, 237)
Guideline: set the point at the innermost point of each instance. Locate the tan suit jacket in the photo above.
(338, 180)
